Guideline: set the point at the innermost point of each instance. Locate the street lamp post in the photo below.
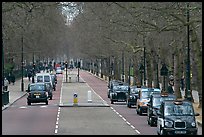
(33, 70)
(144, 66)
(123, 71)
(141, 69)
(164, 72)
(22, 83)
(2, 62)
(187, 91)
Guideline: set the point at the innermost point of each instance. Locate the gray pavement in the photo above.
(67, 98)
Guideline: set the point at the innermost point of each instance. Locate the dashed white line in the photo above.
(125, 120)
(137, 131)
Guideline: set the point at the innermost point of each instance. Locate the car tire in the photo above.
(140, 111)
(137, 110)
(162, 132)
(112, 102)
(46, 102)
(51, 98)
(29, 103)
(151, 122)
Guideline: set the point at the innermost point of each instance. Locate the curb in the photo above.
(199, 123)
(6, 106)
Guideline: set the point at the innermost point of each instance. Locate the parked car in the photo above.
(118, 93)
(143, 99)
(176, 117)
(132, 96)
(154, 106)
(37, 92)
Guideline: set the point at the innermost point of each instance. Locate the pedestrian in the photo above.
(182, 83)
(6, 83)
(13, 79)
(170, 89)
(29, 75)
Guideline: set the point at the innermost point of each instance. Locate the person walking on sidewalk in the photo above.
(6, 83)
(13, 79)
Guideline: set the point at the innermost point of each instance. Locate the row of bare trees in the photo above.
(103, 31)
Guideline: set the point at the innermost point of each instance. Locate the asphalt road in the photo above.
(59, 117)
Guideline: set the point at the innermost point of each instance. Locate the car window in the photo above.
(37, 87)
(39, 78)
(47, 78)
(146, 94)
(157, 100)
(134, 90)
(120, 88)
(178, 110)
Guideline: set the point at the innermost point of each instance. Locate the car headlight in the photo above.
(131, 97)
(193, 124)
(168, 123)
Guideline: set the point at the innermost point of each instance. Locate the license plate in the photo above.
(37, 96)
(180, 132)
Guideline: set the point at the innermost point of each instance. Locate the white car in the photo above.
(58, 70)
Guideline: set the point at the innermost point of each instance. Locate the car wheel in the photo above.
(140, 111)
(46, 102)
(51, 98)
(29, 103)
(111, 101)
(162, 132)
(137, 110)
(150, 122)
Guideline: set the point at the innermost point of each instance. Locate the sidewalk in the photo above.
(15, 93)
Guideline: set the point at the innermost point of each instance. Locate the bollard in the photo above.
(70, 79)
(89, 97)
(5, 97)
(75, 100)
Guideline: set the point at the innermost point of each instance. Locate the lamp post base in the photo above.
(22, 86)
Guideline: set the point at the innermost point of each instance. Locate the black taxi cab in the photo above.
(154, 106)
(132, 96)
(119, 92)
(37, 92)
(176, 117)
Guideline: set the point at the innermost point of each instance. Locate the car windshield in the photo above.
(134, 90)
(47, 78)
(157, 100)
(39, 78)
(120, 88)
(146, 94)
(178, 110)
(37, 87)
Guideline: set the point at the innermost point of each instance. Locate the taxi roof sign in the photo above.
(164, 94)
(178, 102)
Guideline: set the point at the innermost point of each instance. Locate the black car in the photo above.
(37, 93)
(154, 104)
(54, 81)
(49, 89)
(176, 117)
(118, 93)
(110, 86)
(132, 96)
